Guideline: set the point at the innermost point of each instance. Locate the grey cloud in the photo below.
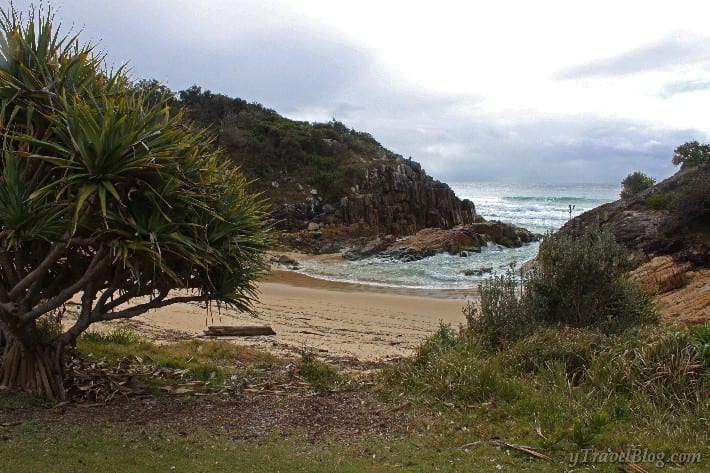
(668, 52)
(583, 149)
(296, 68)
(280, 64)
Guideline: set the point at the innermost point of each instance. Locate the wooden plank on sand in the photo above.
(238, 331)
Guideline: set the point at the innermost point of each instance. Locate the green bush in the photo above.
(635, 183)
(502, 314)
(319, 375)
(701, 337)
(657, 202)
(577, 282)
(574, 349)
(573, 385)
(453, 366)
(328, 176)
(657, 369)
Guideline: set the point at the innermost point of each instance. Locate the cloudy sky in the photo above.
(543, 91)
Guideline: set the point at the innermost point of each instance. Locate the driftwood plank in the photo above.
(238, 331)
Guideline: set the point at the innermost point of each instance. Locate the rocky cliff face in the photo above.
(396, 198)
(667, 230)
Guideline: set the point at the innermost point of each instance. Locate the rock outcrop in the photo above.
(396, 198)
(461, 240)
(666, 219)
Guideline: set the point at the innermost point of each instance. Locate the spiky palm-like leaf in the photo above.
(106, 192)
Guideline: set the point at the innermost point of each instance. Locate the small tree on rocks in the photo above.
(635, 183)
(692, 153)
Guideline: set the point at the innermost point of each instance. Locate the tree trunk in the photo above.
(35, 368)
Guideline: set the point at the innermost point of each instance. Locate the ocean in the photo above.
(537, 207)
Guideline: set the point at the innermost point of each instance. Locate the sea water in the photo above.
(538, 207)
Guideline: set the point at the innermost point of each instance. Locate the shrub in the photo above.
(701, 337)
(692, 200)
(319, 375)
(635, 183)
(657, 202)
(501, 315)
(574, 349)
(663, 368)
(578, 282)
(452, 367)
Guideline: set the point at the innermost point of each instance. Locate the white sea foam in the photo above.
(537, 207)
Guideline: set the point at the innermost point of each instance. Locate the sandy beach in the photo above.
(334, 320)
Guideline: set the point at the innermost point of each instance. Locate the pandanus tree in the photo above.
(108, 200)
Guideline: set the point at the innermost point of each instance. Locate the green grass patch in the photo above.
(318, 374)
(321, 376)
(205, 360)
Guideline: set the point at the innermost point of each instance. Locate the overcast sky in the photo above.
(537, 91)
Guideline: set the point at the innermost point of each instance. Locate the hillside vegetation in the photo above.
(270, 148)
(322, 175)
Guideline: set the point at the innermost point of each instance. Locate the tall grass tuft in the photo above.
(121, 335)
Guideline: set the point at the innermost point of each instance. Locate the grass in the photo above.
(559, 391)
(204, 359)
(30, 449)
(562, 389)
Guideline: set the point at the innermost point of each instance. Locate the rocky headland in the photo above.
(333, 189)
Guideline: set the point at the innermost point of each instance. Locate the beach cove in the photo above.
(336, 321)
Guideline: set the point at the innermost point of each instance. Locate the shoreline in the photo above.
(299, 279)
(337, 321)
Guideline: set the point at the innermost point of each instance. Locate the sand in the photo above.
(336, 321)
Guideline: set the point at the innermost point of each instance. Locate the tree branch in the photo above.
(20, 261)
(12, 309)
(39, 291)
(98, 263)
(4, 296)
(109, 291)
(84, 319)
(156, 303)
(136, 291)
(54, 254)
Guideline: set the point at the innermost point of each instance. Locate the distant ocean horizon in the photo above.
(537, 207)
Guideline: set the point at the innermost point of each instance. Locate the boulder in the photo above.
(461, 240)
(477, 271)
(288, 262)
(504, 234)
(369, 248)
